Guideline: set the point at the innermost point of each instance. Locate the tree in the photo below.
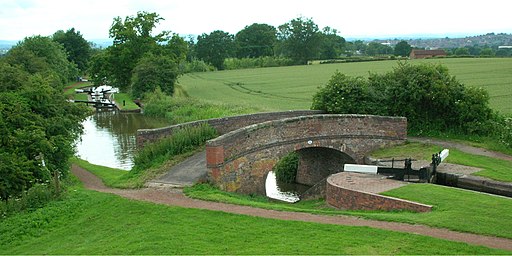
(256, 40)
(403, 49)
(461, 51)
(215, 47)
(300, 39)
(41, 55)
(78, 49)
(154, 71)
(38, 128)
(332, 45)
(375, 48)
(132, 38)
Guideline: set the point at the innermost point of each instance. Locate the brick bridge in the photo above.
(240, 160)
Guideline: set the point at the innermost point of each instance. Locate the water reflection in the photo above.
(109, 137)
(288, 192)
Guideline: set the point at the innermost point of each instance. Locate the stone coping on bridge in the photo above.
(358, 191)
(222, 125)
(364, 129)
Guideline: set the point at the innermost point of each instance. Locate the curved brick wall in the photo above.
(343, 197)
(222, 125)
(239, 160)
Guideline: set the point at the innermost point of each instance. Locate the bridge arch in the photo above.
(240, 160)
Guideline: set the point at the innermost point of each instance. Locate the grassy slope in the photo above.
(286, 88)
(88, 222)
(454, 209)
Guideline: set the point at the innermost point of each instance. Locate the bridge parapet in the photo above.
(239, 160)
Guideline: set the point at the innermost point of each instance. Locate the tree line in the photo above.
(38, 125)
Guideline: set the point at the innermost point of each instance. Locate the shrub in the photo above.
(432, 100)
(35, 197)
(286, 168)
(195, 66)
(184, 140)
(260, 62)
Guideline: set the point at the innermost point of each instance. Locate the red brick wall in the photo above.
(344, 198)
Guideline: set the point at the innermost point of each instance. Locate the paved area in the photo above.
(371, 183)
(184, 174)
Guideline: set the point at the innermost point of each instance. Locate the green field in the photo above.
(285, 88)
(88, 222)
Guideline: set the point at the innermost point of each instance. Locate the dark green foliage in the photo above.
(299, 39)
(261, 62)
(213, 48)
(77, 48)
(332, 45)
(430, 98)
(41, 55)
(403, 49)
(256, 40)
(348, 95)
(286, 168)
(37, 124)
(134, 40)
(154, 71)
(184, 140)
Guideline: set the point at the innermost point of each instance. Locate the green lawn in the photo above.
(286, 88)
(128, 102)
(88, 222)
(455, 209)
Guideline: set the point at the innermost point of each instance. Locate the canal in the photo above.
(109, 139)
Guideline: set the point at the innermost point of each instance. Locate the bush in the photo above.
(432, 100)
(286, 168)
(260, 62)
(35, 197)
(506, 132)
(195, 66)
(184, 140)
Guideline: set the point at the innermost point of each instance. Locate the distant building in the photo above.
(422, 54)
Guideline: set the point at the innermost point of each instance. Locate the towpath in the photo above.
(175, 197)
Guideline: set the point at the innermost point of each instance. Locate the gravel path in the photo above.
(175, 197)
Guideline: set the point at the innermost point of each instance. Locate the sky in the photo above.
(353, 19)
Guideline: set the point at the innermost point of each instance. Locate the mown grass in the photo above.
(125, 98)
(496, 169)
(286, 88)
(88, 222)
(454, 209)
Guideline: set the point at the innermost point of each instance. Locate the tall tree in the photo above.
(403, 49)
(215, 47)
(132, 39)
(300, 39)
(256, 40)
(38, 54)
(332, 45)
(154, 71)
(78, 49)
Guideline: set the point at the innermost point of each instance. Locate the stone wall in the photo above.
(344, 198)
(239, 160)
(222, 125)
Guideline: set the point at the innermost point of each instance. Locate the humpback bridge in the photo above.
(240, 160)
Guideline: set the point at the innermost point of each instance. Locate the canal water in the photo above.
(109, 139)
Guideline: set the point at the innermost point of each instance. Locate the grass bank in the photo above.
(88, 222)
(454, 209)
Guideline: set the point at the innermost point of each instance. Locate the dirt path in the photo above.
(175, 197)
